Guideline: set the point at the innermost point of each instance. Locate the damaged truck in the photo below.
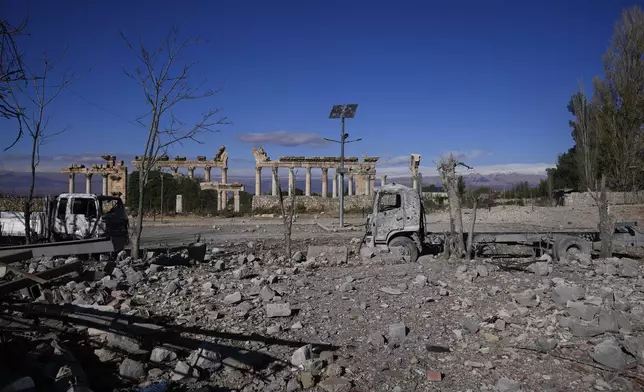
(398, 220)
(71, 223)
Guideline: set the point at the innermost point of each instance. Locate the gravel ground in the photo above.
(361, 325)
(244, 318)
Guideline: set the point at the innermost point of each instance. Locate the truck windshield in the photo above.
(111, 206)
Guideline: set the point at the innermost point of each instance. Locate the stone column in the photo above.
(258, 181)
(372, 183)
(367, 185)
(414, 182)
(383, 180)
(72, 178)
(179, 204)
(208, 169)
(220, 200)
(307, 185)
(175, 170)
(88, 182)
(325, 181)
(274, 188)
(334, 185)
(224, 175)
(191, 171)
(236, 201)
(105, 185)
(224, 200)
(291, 180)
(350, 185)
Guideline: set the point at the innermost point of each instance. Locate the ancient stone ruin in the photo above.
(360, 177)
(114, 176)
(414, 166)
(220, 160)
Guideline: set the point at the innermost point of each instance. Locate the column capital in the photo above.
(89, 175)
(325, 169)
(207, 168)
(258, 169)
(274, 169)
(191, 168)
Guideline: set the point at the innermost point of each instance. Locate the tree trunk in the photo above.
(32, 185)
(138, 226)
(287, 219)
(471, 233)
(606, 224)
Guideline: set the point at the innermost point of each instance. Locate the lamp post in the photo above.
(342, 112)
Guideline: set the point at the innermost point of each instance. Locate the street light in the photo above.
(342, 112)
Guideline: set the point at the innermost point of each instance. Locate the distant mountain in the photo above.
(54, 183)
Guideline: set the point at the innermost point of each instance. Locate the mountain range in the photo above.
(18, 183)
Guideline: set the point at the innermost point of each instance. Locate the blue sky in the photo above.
(490, 80)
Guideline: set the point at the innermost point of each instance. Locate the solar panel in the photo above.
(336, 111)
(350, 110)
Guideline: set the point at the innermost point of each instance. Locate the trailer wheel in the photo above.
(407, 244)
(568, 246)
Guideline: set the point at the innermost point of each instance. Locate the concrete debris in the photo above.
(250, 319)
(609, 353)
(301, 355)
(278, 310)
(132, 370)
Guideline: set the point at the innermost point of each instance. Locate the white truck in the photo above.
(398, 220)
(68, 217)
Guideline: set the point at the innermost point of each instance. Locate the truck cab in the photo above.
(397, 220)
(75, 216)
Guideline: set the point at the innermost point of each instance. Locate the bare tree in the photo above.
(12, 72)
(165, 82)
(288, 212)
(470, 236)
(37, 95)
(449, 179)
(620, 103)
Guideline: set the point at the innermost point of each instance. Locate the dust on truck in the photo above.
(68, 217)
(398, 220)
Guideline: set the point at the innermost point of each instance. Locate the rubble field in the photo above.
(239, 316)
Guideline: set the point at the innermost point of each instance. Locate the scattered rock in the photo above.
(160, 354)
(562, 294)
(131, 369)
(335, 384)
(527, 298)
(301, 355)
(184, 372)
(397, 332)
(507, 385)
(233, 298)
(609, 353)
(205, 359)
(278, 310)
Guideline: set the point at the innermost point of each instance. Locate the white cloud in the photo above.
(394, 161)
(519, 168)
(471, 155)
(283, 138)
(54, 163)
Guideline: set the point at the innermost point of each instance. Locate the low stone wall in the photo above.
(582, 199)
(313, 203)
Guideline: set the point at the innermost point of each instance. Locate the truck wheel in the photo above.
(568, 246)
(407, 244)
